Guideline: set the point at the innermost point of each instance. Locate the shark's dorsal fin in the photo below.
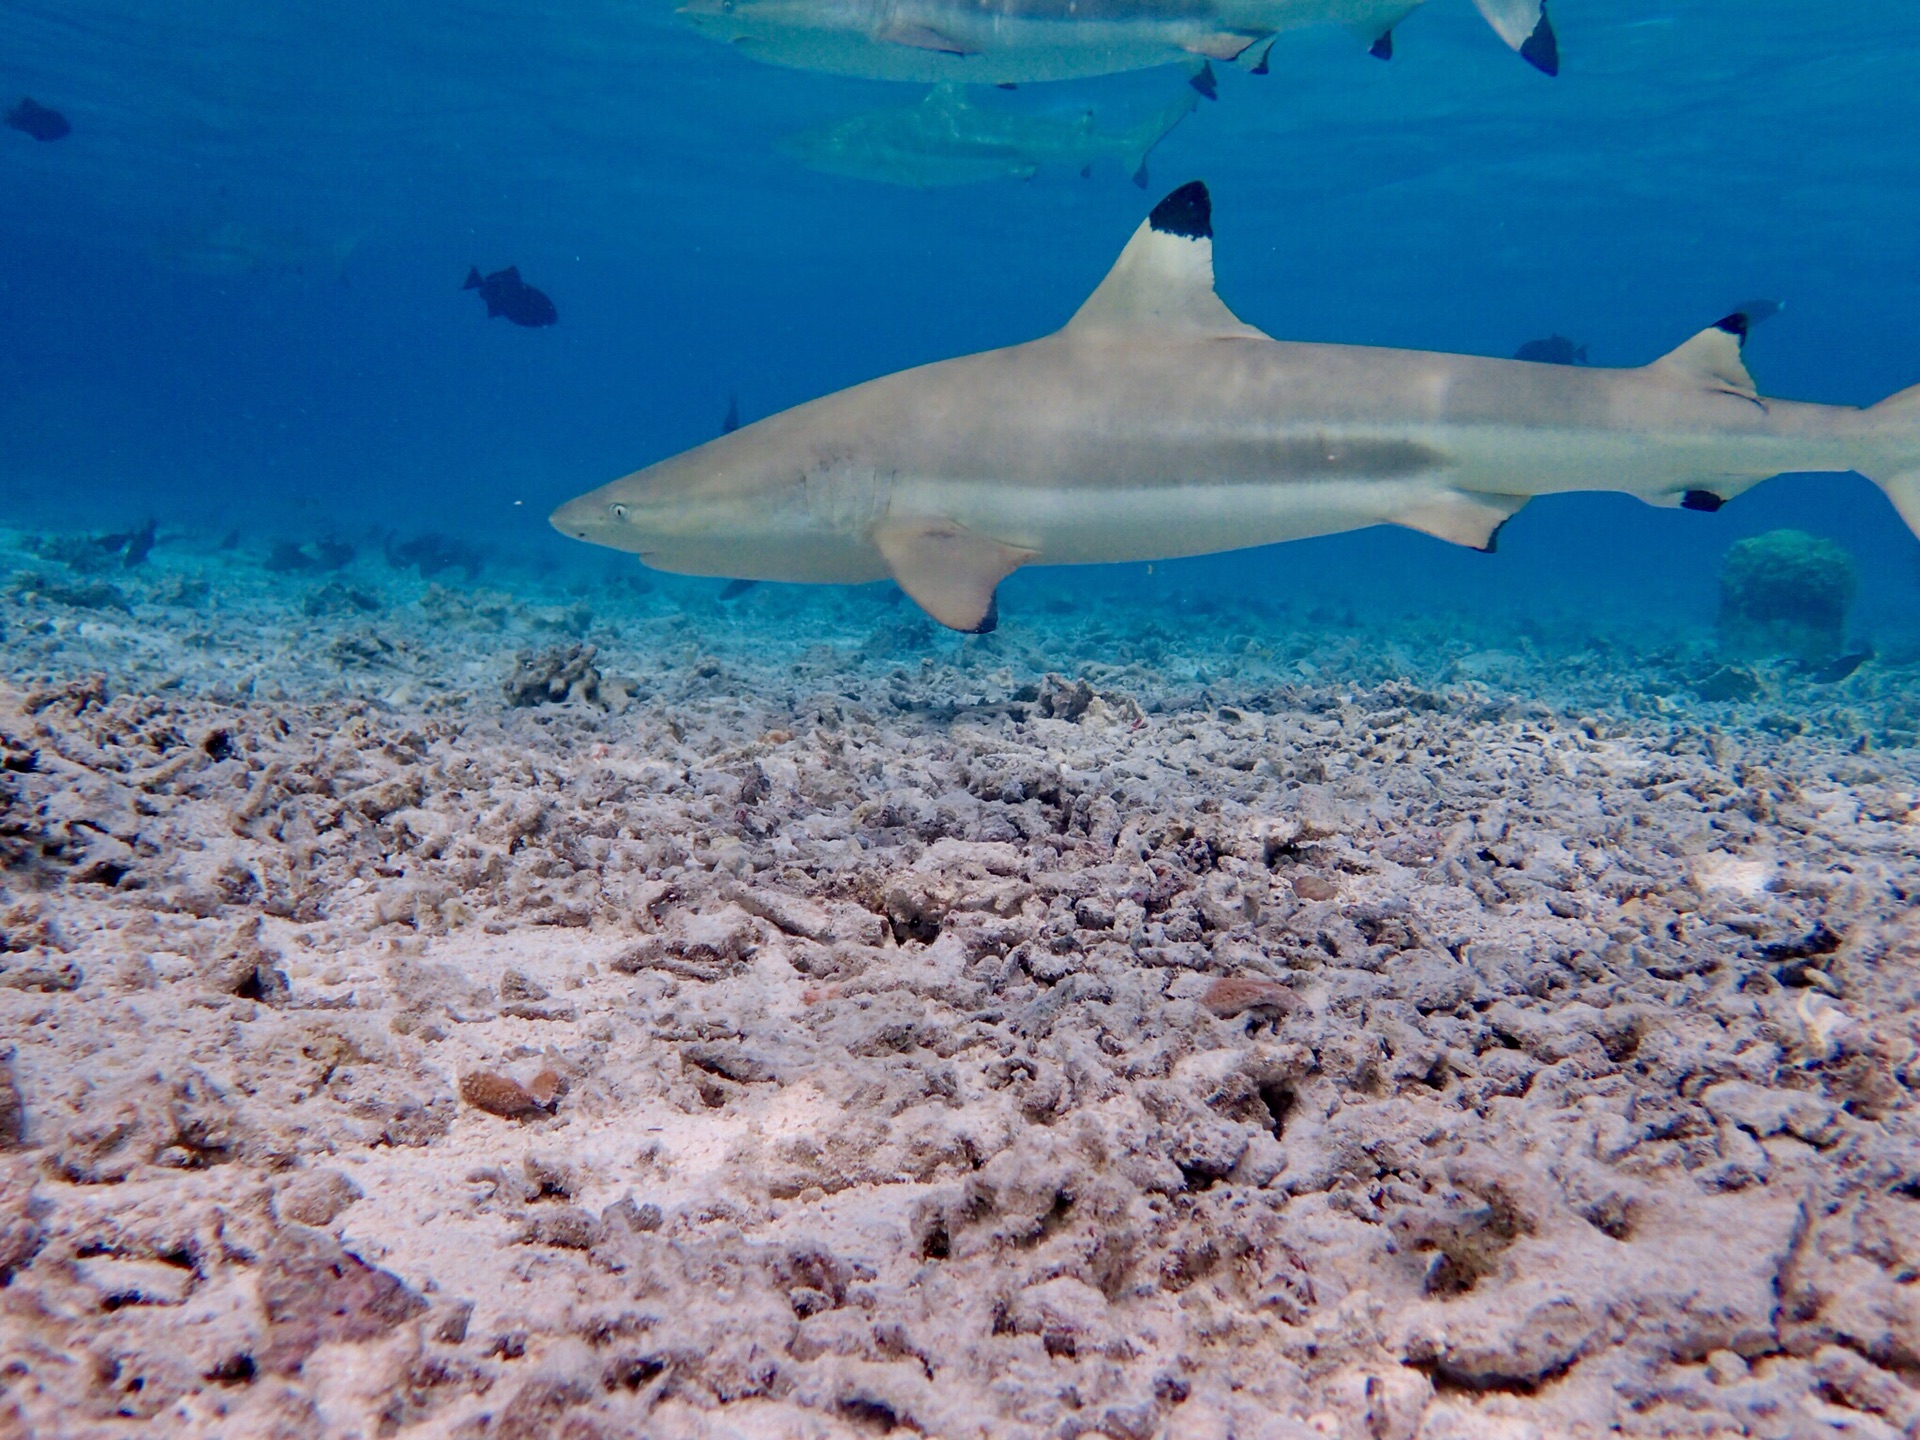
(950, 571)
(1164, 278)
(1712, 360)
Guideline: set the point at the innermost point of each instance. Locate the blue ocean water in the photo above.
(324, 372)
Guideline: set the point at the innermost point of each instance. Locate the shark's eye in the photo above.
(619, 512)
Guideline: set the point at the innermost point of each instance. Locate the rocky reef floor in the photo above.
(515, 1008)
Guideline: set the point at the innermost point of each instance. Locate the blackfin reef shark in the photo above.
(949, 139)
(982, 42)
(1158, 424)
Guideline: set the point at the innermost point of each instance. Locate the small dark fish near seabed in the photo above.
(38, 121)
(1833, 671)
(505, 293)
(1554, 350)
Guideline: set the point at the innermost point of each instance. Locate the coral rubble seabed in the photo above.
(446, 1012)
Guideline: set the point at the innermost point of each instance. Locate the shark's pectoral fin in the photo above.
(1461, 518)
(950, 571)
(1711, 360)
(922, 37)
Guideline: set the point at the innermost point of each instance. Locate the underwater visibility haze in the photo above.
(1041, 873)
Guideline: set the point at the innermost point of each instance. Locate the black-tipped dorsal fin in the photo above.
(1712, 360)
(1164, 278)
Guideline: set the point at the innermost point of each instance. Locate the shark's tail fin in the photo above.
(1896, 422)
(1523, 24)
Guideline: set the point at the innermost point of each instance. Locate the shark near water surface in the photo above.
(1157, 424)
(981, 42)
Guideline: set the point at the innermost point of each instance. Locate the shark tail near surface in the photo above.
(1896, 422)
(1155, 129)
(1524, 25)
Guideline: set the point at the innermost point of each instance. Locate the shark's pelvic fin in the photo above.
(1461, 518)
(1223, 44)
(950, 572)
(1523, 24)
(1164, 277)
(922, 37)
(1712, 360)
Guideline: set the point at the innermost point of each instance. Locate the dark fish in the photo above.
(505, 293)
(332, 553)
(133, 546)
(431, 555)
(1836, 670)
(38, 121)
(140, 544)
(287, 558)
(734, 589)
(732, 422)
(1554, 350)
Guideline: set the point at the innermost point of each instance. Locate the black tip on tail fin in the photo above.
(1260, 66)
(1541, 49)
(1187, 212)
(988, 621)
(1382, 49)
(1203, 81)
(473, 278)
(1703, 500)
(1735, 325)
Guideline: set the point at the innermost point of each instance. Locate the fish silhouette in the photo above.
(1833, 671)
(38, 121)
(1554, 350)
(505, 293)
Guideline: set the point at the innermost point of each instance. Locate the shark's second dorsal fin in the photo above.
(1164, 278)
(1712, 358)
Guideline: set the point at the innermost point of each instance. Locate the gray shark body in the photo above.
(1156, 424)
(947, 139)
(979, 42)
